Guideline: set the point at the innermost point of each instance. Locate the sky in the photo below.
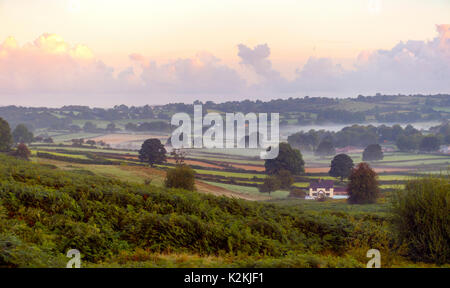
(108, 52)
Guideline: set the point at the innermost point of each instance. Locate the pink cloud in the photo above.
(51, 66)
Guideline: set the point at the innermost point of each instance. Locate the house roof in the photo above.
(327, 184)
(340, 191)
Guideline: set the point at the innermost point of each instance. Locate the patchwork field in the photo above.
(231, 172)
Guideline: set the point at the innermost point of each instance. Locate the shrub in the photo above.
(182, 176)
(296, 192)
(421, 217)
(22, 152)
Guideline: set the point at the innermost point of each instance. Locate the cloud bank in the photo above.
(51, 66)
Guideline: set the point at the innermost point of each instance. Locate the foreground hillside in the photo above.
(44, 212)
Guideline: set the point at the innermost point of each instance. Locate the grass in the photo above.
(82, 149)
(229, 174)
(250, 190)
(417, 164)
(335, 205)
(232, 152)
(225, 159)
(394, 186)
(301, 184)
(67, 137)
(393, 177)
(75, 156)
(119, 172)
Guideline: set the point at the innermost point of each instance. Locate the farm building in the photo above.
(326, 188)
(445, 149)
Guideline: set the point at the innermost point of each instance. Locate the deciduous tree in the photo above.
(152, 152)
(5, 136)
(341, 166)
(21, 134)
(363, 185)
(288, 158)
(429, 144)
(325, 148)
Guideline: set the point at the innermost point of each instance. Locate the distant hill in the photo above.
(302, 111)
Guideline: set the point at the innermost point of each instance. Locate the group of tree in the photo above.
(160, 126)
(43, 139)
(21, 134)
(417, 141)
(362, 186)
(307, 110)
(409, 138)
(356, 135)
(373, 152)
(181, 176)
(281, 169)
(325, 148)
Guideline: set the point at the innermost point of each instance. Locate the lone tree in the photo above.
(341, 166)
(5, 136)
(22, 152)
(325, 148)
(152, 152)
(182, 176)
(363, 185)
(270, 184)
(373, 152)
(288, 158)
(21, 134)
(429, 144)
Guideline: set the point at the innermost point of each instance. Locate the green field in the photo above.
(250, 190)
(84, 149)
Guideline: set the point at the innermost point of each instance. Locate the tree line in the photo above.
(406, 139)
